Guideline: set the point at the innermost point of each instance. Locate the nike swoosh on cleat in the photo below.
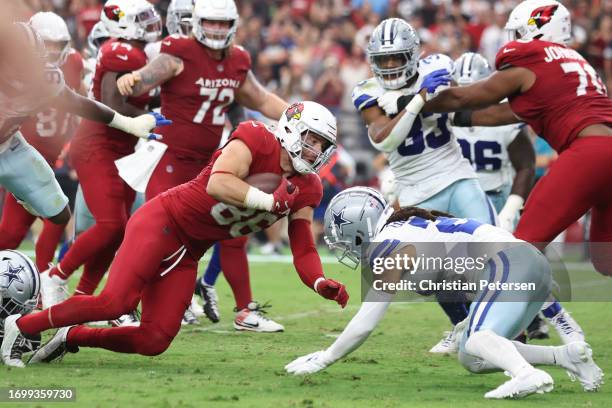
(247, 324)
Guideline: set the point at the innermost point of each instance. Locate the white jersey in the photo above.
(487, 149)
(430, 158)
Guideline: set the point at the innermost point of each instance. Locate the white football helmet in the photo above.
(52, 29)
(215, 10)
(178, 19)
(19, 283)
(293, 127)
(469, 68)
(546, 20)
(132, 20)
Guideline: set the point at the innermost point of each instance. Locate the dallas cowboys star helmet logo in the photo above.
(12, 274)
(339, 220)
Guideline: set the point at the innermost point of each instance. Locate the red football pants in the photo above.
(15, 224)
(110, 200)
(577, 181)
(150, 249)
(174, 170)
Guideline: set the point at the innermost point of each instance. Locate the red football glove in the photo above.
(333, 290)
(284, 197)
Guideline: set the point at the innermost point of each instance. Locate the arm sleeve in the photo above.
(358, 330)
(305, 256)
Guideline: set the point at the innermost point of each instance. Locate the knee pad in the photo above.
(153, 341)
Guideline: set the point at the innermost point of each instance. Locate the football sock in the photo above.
(538, 355)
(47, 243)
(236, 270)
(550, 310)
(456, 312)
(214, 267)
(496, 350)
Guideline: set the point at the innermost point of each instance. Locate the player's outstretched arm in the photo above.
(156, 72)
(522, 156)
(495, 115)
(255, 97)
(482, 94)
(354, 335)
(226, 182)
(140, 126)
(307, 261)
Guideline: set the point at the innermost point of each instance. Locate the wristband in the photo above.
(258, 200)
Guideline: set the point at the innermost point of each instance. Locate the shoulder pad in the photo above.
(366, 93)
(435, 62)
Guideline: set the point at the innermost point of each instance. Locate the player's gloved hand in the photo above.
(435, 79)
(309, 364)
(126, 83)
(511, 212)
(284, 197)
(332, 290)
(388, 102)
(140, 126)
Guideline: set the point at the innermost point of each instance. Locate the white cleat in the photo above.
(197, 310)
(568, 329)
(127, 320)
(448, 345)
(577, 359)
(252, 318)
(189, 317)
(53, 289)
(53, 350)
(10, 342)
(529, 381)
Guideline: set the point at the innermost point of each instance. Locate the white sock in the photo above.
(496, 350)
(539, 355)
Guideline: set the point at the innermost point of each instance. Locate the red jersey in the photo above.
(567, 95)
(50, 129)
(114, 56)
(200, 219)
(197, 99)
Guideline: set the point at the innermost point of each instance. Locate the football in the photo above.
(266, 182)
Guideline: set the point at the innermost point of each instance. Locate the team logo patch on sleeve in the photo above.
(542, 15)
(113, 12)
(294, 111)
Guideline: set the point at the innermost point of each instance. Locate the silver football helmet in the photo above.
(469, 68)
(350, 220)
(178, 19)
(19, 283)
(394, 41)
(97, 36)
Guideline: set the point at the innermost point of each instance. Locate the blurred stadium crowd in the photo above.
(315, 50)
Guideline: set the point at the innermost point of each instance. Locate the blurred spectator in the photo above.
(329, 88)
(599, 50)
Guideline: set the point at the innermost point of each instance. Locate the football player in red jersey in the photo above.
(553, 89)
(200, 77)
(28, 84)
(177, 227)
(94, 149)
(48, 131)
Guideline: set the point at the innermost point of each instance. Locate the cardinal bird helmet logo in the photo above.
(542, 15)
(113, 12)
(294, 111)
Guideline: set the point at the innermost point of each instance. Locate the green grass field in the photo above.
(213, 366)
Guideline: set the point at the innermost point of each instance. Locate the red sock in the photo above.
(47, 244)
(235, 268)
(93, 272)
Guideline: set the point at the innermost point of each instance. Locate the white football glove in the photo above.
(509, 215)
(388, 101)
(140, 126)
(309, 364)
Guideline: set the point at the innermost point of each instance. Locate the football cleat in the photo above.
(577, 359)
(189, 317)
(252, 318)
(527, 382)
(568, 329)
(54, 349)
(131, 319)
(448, 345)
(197, 310)
(53, 289)
(210, 299)
(537, 329)
(11, 342)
